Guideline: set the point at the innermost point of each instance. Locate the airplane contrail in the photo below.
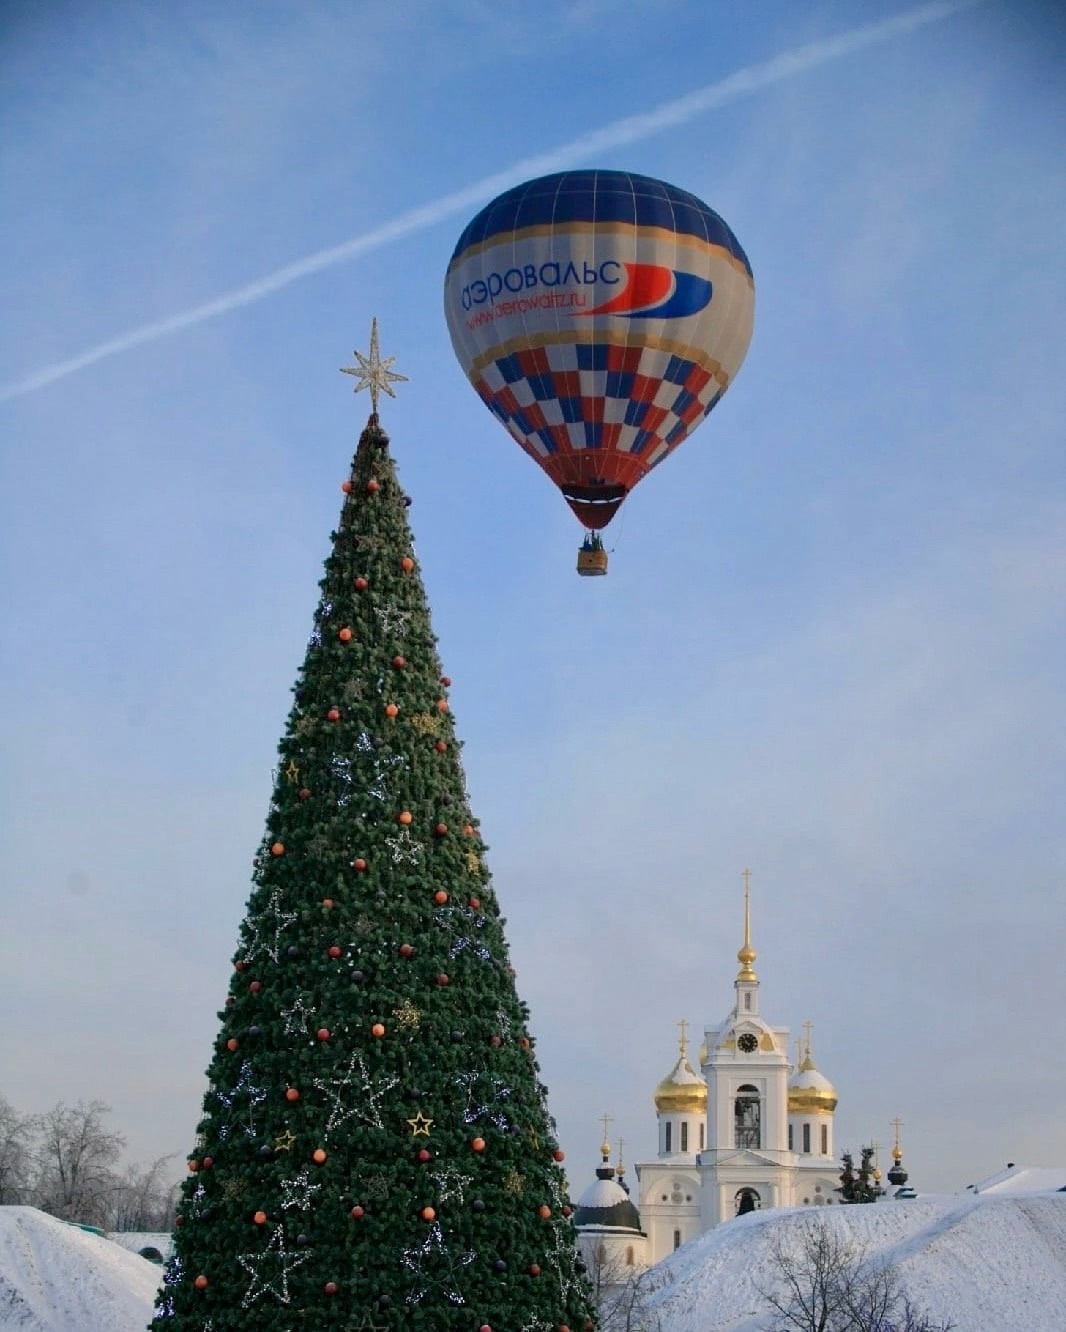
(630, 129)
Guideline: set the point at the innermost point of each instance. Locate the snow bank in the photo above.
(56, 1278)
(989, 1264)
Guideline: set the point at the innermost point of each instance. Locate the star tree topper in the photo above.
(372, 372)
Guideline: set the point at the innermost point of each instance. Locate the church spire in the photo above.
(746, 954)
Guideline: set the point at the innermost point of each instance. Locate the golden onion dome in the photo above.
(682, 1091)
(810, 1092)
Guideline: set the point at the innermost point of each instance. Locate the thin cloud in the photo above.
(630, 129)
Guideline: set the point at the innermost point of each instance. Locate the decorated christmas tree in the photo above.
(375, 1151)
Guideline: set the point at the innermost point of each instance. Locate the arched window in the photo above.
(747, 1116)
(684, 1135)
(806, 1138)
(667, 1145)
(746, 1200)
(629, 1255)
(677, 1239)
(825, 1139)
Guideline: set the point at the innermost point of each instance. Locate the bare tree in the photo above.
(622, 1292)
(821, 1282)
(17, 1134)
(76, 1156)
(145, 1198)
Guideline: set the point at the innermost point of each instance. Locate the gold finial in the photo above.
(605, 1146)
(746, 954)
(372, 372)
(683, 1042)
(897, 1150)
(620, 1169)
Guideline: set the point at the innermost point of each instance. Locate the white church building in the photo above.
(747, 1130)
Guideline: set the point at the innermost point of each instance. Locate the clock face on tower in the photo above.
(747, 1042)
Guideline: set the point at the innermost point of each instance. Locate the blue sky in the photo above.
(831, 643)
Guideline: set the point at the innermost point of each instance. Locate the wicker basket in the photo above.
(592, 563)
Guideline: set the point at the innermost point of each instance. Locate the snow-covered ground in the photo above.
(56, 1278)
(987, 1263)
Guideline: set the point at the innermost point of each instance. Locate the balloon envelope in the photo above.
(600, 316)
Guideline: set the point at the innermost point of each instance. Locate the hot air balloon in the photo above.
(600, 316)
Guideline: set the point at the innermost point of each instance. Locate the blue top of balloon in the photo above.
(600, 196)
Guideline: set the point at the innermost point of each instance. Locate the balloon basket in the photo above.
(592, 561)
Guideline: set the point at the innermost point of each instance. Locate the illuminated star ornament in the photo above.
(420, 1125)
(372, 372)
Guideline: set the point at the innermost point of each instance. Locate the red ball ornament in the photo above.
(424, 1155)
(361, 584)
(441, 829)
(484, 1328)
(194, 1166)
(345, 635)
(334, 950)
(208, 1162)
(255, 986)
(328, 904)
(378, 1030)
(544, 1211)
(399, 662)
(304, 793)
(533, 1269)
(405, 816)
(407, 564)
(346, 486)
(322, 1034)
(201, 1282)
(233, 1044)
(558, 1154)
(260, 1218)
(446, 681)
(474, 902)
(319, 1155)
(442, 978)
(292, 1093)
(358, 1213)
(428, 1214)
(391, 710)
(359, 864)
(441, 747)
(407, 950)
(278, 849)
(333, 715)
(568, 1210)
(442, 705)
(239, 966)
(330, 1288)
(478, 1144)
(230, 1000)
(372, 487)
(440, 897)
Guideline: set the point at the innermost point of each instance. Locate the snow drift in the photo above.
(56, 1278)
(987, 1263)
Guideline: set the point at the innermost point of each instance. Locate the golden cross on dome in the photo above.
(807, 1028)
(683, 1025)
(605, 1148)
(372, 372)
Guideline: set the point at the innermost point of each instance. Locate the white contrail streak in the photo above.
(631, 129)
